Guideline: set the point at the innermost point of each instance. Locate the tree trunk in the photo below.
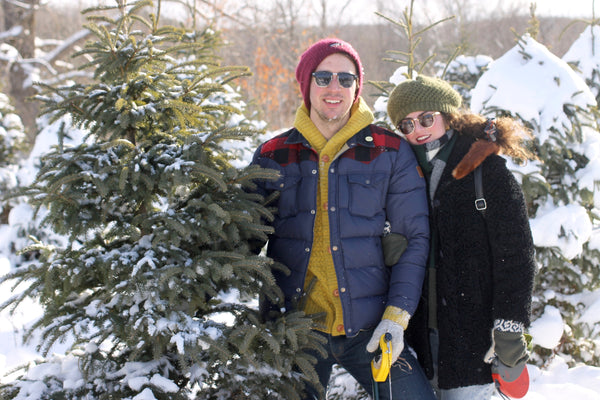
(21, 13)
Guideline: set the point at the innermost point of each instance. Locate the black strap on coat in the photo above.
(490, 132)
(480, 203)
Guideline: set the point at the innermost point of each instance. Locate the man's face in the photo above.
(333, 102)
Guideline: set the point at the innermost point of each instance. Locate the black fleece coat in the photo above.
(485, 266)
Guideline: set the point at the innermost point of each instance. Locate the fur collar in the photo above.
(479, 151)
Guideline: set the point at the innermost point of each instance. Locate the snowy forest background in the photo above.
(125, 229)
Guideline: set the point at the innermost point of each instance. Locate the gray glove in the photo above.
(509, 347)
(393, 245)
(397, 332)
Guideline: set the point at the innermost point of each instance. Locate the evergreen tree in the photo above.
(566, 141)
(156, 289)
(14, 212)
(463, 73)
(584, 55)
(12, 146)
(20, 223)
(410, 65)
(342, 386)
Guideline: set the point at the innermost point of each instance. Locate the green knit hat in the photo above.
(422, 94)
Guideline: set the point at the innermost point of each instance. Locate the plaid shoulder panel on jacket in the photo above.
(381, 141)
(372, 143)
(287, 153)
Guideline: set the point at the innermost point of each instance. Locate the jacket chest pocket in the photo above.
(287, 203)
(366, 194)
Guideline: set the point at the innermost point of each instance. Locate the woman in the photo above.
(476, 300)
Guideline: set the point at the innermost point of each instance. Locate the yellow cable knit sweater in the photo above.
(323, 298)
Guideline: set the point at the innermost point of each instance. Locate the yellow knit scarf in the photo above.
(323, 297)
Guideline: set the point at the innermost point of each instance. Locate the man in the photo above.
(341, 179)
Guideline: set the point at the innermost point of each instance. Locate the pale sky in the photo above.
(363, 11)
(557, 8)
(436, 10)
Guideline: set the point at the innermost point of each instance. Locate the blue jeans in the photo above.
(408, 380)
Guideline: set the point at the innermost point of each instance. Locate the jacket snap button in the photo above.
(334, 248)
(325, 158)
(336, 293)
(340, 328)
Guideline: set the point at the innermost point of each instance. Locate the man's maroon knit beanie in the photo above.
(312, 57)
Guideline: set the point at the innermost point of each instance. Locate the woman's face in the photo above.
(422, 127)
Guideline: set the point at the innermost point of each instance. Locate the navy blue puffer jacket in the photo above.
(375, 179)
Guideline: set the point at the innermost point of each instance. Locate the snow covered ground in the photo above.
(555, 381)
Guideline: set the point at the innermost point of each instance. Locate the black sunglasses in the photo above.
(426, 120)
(323, 78)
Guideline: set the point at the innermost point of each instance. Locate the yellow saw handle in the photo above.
(381, 364)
